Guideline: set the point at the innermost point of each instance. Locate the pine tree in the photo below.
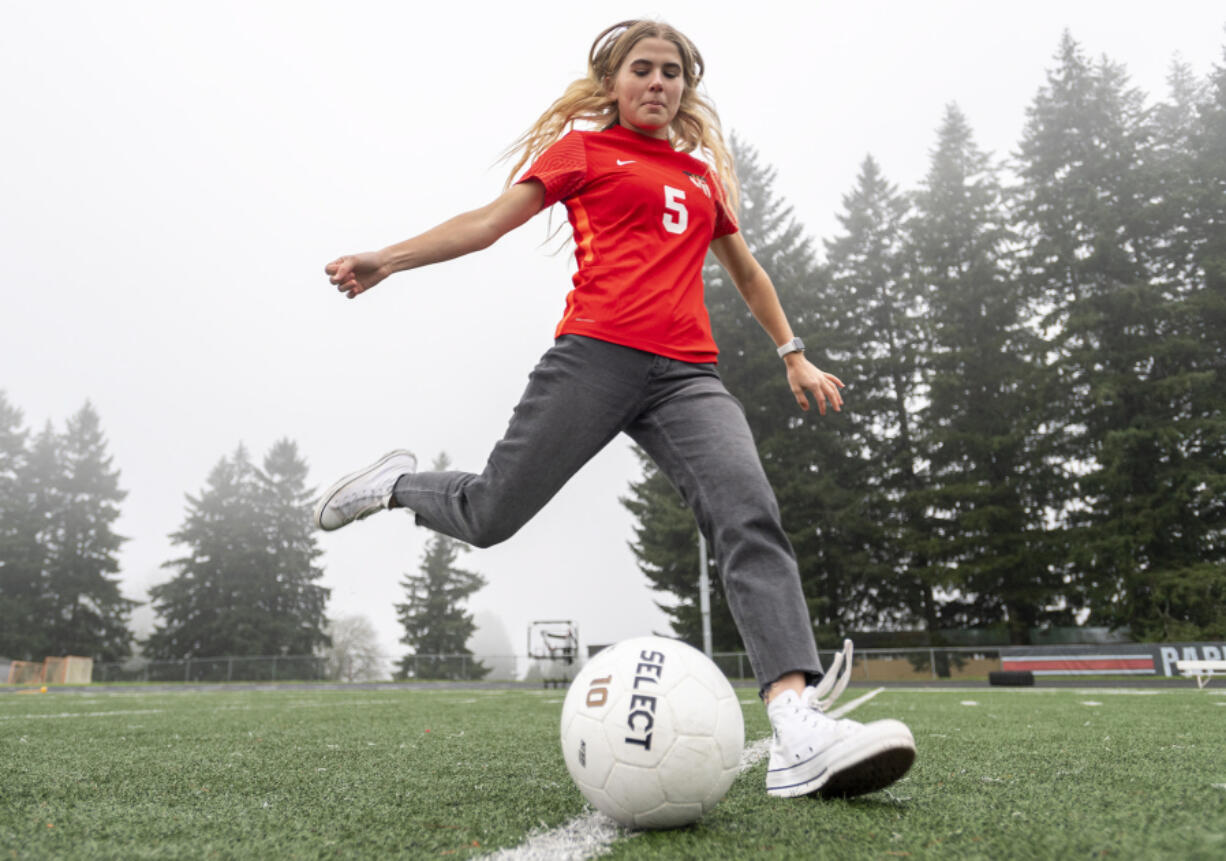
(22, 592)
(40, 493)
(293, 602)
(1091, 162)
(983, 371)
(1208, 217)
(246, 586)
(1181, 594)
(88, 612)
(207, 606)
(1174, 154)
(878, 328)
(434, 620)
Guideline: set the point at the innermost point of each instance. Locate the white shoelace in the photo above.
(833, 683)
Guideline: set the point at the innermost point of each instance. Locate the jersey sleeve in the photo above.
(561, 168)
(725, 218)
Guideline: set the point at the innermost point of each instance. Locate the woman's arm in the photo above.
(759, 293)
(470, 231)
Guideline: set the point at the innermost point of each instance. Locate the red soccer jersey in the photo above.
(643, 217)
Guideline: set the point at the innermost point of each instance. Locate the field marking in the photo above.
(846, 708)
(590, 834)
(586, 836)
(233, 708)
(83, 714)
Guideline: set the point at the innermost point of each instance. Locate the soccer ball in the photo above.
(652, 733)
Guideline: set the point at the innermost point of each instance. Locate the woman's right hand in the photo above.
(356, 273)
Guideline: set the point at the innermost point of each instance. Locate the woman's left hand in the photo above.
(805, 378)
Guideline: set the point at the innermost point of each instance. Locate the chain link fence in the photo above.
(869, 665)
(892, 665)
(273, 668)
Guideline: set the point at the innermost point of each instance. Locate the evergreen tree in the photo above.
(293, 601)
(1182, 592)
(983, 367)
(1208, 219)
(88, 612)
(435, 622)
(1174, 154)
(246, 586)
(1090, 162)
(207, 607)
(40, 492)
(59, 500)
(22, 594)
(879, 330)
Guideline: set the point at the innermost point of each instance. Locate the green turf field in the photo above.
(1019, 773)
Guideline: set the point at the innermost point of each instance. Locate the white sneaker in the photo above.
(362, 493)
(812, 753)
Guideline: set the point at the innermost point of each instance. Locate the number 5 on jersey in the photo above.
(676, 217)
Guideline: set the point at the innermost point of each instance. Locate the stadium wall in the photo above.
(1122, 659)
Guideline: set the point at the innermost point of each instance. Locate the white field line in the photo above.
(242, 708)
(855, 704)
(591, 834)
(84, 714)
(586, 836)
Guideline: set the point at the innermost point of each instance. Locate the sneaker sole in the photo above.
(339, 485)
(868, 766)
(878, 771)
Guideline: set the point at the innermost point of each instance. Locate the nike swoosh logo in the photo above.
(620, 162)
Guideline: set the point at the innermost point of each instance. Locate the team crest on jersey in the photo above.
(700, 182)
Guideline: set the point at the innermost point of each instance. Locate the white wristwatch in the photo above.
(793, 346)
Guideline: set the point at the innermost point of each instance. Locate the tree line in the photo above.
(246, 584)
(1035, 424)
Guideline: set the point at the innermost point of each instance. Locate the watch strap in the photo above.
(793, 346)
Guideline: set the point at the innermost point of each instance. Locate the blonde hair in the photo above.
(696, 126)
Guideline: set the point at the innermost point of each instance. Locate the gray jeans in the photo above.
(584, 393)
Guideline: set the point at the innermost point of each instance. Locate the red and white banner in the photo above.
(1119, 659)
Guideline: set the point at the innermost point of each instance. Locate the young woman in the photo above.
(634, 354)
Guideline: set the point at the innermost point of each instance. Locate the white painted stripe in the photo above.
(753, 752)
(591, 834)
(586, 836)
(84, 714)
(298, 704)
(855, 704)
